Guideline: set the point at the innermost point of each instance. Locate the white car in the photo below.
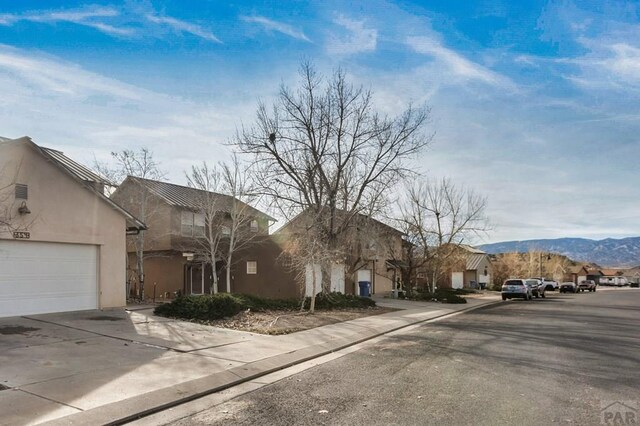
(537, 288)
(516, 288)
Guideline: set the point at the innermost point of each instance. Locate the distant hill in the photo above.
(622, 253)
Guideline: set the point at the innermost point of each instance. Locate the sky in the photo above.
(534, 105)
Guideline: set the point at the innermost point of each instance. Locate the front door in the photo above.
(194, 277)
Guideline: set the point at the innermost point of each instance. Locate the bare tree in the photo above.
(140, 164)
(10, 218)
(236, 184)
(7, 216)
(324, 150)
(509, 265)
(211, 206)
(437, 217)
(225, 204)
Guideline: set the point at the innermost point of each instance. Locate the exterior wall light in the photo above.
(23, 209)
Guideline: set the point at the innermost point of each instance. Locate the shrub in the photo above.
(444, 295)
(204, 308)
(222, 305)
(256, 303)
(339, 300)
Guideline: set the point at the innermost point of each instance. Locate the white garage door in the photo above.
(457, 279)
(38, 278)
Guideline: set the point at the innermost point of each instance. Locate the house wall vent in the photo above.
(22, 191)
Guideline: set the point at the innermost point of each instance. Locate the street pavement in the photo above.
(558, 360)
(100, 367)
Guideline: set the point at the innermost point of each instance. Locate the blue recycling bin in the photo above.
(365, 288)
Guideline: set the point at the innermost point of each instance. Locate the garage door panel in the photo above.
(40, 277)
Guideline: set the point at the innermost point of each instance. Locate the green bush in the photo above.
(202, 307)
(338, 300)
(222, 305)
(443, 295)
(256, 303)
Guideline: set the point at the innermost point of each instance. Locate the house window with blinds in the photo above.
(198, 224)
(187, 223)
(252, 267)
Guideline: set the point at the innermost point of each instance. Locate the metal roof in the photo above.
(471, 249)
(191, 198)
(85, 177)
(474, 261)
(77, 169)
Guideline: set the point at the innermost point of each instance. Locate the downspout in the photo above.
(373, 277)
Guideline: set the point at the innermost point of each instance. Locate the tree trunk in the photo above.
(228, 271)
(214, 274)
(312, 304)
(140, 263)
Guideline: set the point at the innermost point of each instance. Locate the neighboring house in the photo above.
(176, 225)
(633, 275)
(612, 277)
(65, 248)
(576, 274)
(593, 274)
(371, 250)
(472, 270)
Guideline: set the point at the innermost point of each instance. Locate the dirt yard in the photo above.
(285, 322)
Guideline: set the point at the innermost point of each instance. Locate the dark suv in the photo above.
(587, 285)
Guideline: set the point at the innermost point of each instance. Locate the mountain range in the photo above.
(610, 252)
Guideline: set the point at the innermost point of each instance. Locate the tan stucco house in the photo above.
(62, 241)
(373, 252)
(173, 256)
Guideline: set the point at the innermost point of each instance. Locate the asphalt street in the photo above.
(558, 360)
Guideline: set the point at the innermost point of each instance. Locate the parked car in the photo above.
(587, 285)
(516, 288)
(549, 285)
(537, 287)
(568, 287)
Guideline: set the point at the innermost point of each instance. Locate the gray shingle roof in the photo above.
(190, 198)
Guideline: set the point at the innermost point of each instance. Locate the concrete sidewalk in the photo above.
(116, 366)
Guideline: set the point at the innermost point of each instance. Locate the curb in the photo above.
(165, 398)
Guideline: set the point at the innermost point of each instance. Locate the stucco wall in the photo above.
(154, 212)
(166, 271)
(63, 211)
(272, 280)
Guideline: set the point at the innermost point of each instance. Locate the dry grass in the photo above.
(285, 322)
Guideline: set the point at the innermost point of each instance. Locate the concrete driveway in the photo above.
(92, 367)
(58, 364)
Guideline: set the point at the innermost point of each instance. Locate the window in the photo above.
(187, 223)
(198, 224)
(252, 267)
(254, 225)
(226, 230)
(22, 191)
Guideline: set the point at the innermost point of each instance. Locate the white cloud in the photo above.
(625, 62)
(106, 19)
(63, 106)
(280, 27)
(87, 16)
(183, 27)
(358, 38)
(454, 62)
